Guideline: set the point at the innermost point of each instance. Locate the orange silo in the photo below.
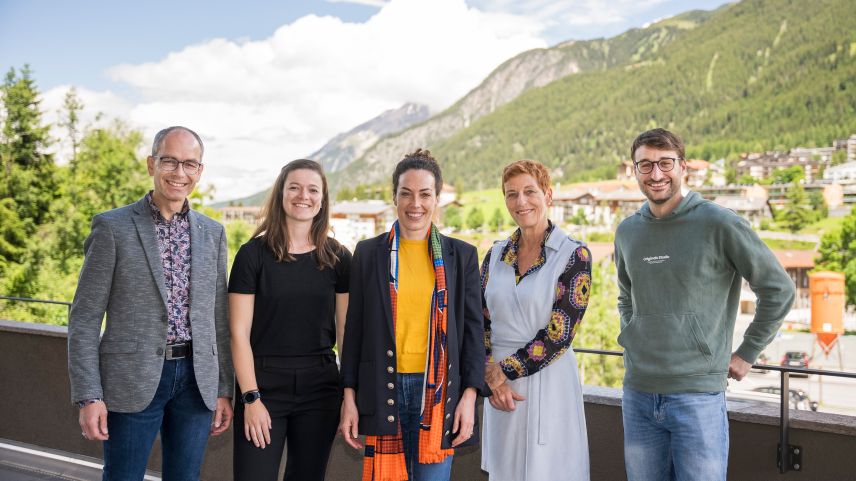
(827, 306)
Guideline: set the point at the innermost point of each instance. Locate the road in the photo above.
(834, 394)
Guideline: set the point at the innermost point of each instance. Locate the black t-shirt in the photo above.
(294, 309)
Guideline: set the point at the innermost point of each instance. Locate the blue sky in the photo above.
(267, 82)
(74, 42)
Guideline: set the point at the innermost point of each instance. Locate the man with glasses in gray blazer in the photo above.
(157, 269)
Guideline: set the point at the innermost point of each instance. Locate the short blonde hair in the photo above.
(534, 168)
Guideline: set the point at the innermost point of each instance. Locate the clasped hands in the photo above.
(503, 397)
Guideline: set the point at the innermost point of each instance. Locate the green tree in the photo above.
(599, 330)
(789, 175)
(459, 189)
(746, 179)
(237, 233)
(344, 194)
(13, 236)
(818, 205)
(796, 215)
(838, 253)
(70, 120)
(29, 172)
(475, 219)
(107, 173)
(579, 218)
(452, 217)
(497, 220)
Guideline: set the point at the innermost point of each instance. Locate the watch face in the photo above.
(251, 396)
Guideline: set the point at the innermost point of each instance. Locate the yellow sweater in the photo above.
(415, 287)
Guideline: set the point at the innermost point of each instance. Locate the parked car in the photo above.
(762, 360)
(796, 359)
(799, 398)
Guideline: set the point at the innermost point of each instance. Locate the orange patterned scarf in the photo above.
(384, 456)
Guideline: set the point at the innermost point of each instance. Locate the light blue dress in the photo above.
(544, 438)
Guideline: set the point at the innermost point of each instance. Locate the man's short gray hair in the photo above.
(158, 143)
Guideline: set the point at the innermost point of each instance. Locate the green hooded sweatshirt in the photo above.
(679, 281)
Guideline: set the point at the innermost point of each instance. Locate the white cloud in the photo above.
(577, 13)
(99, 109)
(370, 3)
(259, 104)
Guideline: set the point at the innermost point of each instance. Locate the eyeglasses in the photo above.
(665, 164)
(170, 164)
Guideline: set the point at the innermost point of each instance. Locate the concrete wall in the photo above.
(37, 410)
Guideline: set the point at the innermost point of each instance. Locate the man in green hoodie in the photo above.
(681, 261)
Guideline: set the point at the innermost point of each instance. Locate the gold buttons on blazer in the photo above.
(390, 369)
(390, 418)
(388, 353)
(390, 402)
(390, 385)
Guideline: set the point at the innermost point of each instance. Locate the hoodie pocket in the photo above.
(662, 345)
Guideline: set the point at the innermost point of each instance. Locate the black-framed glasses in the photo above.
(665, 164)
(170, 164)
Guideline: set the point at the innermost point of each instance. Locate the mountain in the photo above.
(529, 70)
(756, 75)
(342, 149)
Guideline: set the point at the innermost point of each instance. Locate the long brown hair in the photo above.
(273, 228)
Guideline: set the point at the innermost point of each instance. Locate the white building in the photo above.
(843, 173)
(354, 221)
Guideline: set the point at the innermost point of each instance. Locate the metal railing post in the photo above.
(784, 422)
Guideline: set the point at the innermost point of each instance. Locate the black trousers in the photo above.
(303, 398)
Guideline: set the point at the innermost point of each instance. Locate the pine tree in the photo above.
(29, 172)
(71, 108)
(452, 217)
(475, 219)
(497, 221)
(796, 215)
(838, 253)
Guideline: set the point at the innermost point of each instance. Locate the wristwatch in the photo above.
(250, 397)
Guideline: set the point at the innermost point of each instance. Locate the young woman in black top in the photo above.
(288, 295)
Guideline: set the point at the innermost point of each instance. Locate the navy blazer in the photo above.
(369, 355)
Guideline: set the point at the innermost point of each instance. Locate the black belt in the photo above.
(178, 351)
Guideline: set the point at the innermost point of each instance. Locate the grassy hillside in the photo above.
(529, 70)
(756, 75)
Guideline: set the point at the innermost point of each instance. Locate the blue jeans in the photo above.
(410, 392)
(675, 436)
(182, 418)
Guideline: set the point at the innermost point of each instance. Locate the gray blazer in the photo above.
(122, 276)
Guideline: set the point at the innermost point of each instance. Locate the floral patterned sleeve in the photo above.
(484, 276)
(572, 295)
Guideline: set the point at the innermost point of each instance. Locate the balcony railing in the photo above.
(34, 364)
(793, 454)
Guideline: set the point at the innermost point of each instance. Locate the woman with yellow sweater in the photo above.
(413, 354)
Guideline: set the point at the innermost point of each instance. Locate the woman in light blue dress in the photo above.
(535, 286)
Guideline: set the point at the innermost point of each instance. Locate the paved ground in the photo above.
(835, 395)
(22, 462)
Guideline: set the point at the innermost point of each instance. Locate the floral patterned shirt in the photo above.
(174, 246)
(572, 294)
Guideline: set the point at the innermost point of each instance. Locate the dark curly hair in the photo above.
(419, 160)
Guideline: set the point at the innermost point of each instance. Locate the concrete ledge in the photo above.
(33, 368)
(32, 328)
(749, 412)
